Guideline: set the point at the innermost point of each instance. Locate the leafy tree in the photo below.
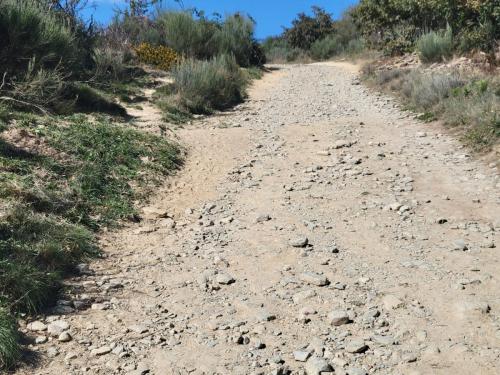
(306, 30)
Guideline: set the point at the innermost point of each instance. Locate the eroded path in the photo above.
(316, 227)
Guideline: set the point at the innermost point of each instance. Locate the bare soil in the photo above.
(399, 275)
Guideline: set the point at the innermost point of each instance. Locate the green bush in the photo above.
(202, 38)
(326, 48)
(187, 35)
(306, 29)
(435, 46)
(29, 32)
(236, 37)
(204, 86)
(395, 26)
(426, 90)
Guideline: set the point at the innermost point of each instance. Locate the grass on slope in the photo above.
(62, 178)
(468, 102)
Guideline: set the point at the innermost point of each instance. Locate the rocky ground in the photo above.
(316, 229)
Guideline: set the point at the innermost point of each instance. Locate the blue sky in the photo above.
(270, 15)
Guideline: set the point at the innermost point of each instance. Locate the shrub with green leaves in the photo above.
(205, 86)
(326, 48)
(29, 32)
(435, 46)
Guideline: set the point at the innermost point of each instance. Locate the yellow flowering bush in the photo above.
(160, 56)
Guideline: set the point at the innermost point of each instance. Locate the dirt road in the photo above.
(316, 227)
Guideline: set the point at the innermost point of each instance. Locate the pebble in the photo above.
(299, 242)
(314, 279)
(356, 346)
(301, 355)
(224, 279)
(103, 350)
(64, 337)
(338, 317)
(317, 366)
(391, 302)
(37, 326)
(57, 327)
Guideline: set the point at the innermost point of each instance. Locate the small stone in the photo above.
(52, 352)
(303, 295)
(262, 218)
(301, 355)
(265, 316)
(103, 350)
(137, 328)
(356, 346)
(224, 279)
(356, 371)
(383, 340)
(41, 339)
(57, 327)
(64, 337)
(299, 242)
(460, 245)
(314, 278)
(37, 326)
(338, 317)
(70, 356)
(317, 366)
(391, 302)
(341, 143)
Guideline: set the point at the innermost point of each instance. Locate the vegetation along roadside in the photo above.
(72, 160)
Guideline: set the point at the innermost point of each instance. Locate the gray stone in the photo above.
(304, 295)
(317, 366)
(460, 245)
(338, 317)
(356, 346)
(301, 355)
(356, 371)
(299, 242)
(383, 340)
(103, 350)
(265, 316)
(314, 278)
(224, 278)
(138, 328)
(37, 326)
(64, 337)
(57, 327)
(41, 339)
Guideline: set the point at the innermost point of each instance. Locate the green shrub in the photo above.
(326, 48)
(236, 37)
(426, 90)
(186, 35)
(306, 29)
(435, 46)
(204, 86)
(277, 50)
(202, 38)
(109, 63)
(30, 32)
(9, 346)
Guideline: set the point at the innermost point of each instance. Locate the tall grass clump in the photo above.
(204, 86)
(424, 90)
(435, 46)
(9, 346)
